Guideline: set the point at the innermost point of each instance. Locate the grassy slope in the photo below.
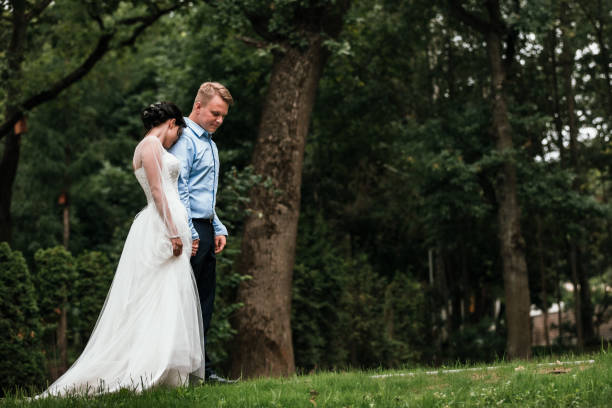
(521, 384)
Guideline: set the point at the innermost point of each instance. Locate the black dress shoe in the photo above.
(214, 378)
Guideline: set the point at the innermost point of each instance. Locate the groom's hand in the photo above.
(219, 243)
(194, 246)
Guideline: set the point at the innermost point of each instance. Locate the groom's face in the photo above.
(210, 116)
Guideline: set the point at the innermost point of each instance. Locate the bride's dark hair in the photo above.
(159, 112)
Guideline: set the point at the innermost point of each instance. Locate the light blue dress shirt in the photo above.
(197, 183)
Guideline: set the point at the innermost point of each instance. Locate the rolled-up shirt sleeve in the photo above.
(218, 226)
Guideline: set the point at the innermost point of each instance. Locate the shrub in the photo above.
(21, 357)
(54, 276)
(319, 278)
(406, 319)
(94, 277)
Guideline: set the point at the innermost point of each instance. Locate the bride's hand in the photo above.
(177, 246)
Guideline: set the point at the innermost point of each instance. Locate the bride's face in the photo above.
(173, 132)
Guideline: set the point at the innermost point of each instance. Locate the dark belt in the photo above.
(208, 220)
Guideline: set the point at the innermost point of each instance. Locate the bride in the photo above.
(149, 331)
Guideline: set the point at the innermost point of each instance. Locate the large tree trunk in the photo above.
(8, 171)
(10, 156)
(263, 343)
(516, 283)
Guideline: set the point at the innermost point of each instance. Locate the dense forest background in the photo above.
(449, 170)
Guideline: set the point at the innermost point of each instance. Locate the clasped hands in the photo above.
(177, 245)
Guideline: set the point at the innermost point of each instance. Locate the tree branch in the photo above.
(102, 47)
(480, 25)
(253, 42)
(146, 21)
(37, 9)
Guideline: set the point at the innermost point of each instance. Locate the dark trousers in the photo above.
(204, 270)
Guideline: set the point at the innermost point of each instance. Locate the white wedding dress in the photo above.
(149, 331)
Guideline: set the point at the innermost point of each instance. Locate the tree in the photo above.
(21, 358)
(34, 27)
(296, 33)
(94, 274)
(516, 283)
(54, 279)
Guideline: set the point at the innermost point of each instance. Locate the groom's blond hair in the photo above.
(209, 89)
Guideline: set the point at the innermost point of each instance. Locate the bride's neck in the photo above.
(156, 133)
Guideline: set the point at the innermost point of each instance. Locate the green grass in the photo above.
(516, 384)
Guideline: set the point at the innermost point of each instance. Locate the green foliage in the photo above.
(363, 306)
(232, 208)
(344, 313)
(279, 22)
(475, 342)
(112, 193)
(21, 358)
(384, 322)
(319, 280)
(407, 317)
(94, 276)
(54, 277)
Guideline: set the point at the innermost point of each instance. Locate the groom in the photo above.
(197, 187)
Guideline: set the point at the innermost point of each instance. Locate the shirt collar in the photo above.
(197, 129)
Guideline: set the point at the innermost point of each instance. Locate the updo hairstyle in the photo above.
(159, 112)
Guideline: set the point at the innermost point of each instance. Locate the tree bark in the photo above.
(8, 171)
(10, 156)
(263, 345)
(516, 282)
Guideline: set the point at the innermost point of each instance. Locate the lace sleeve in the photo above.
(148, 155)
